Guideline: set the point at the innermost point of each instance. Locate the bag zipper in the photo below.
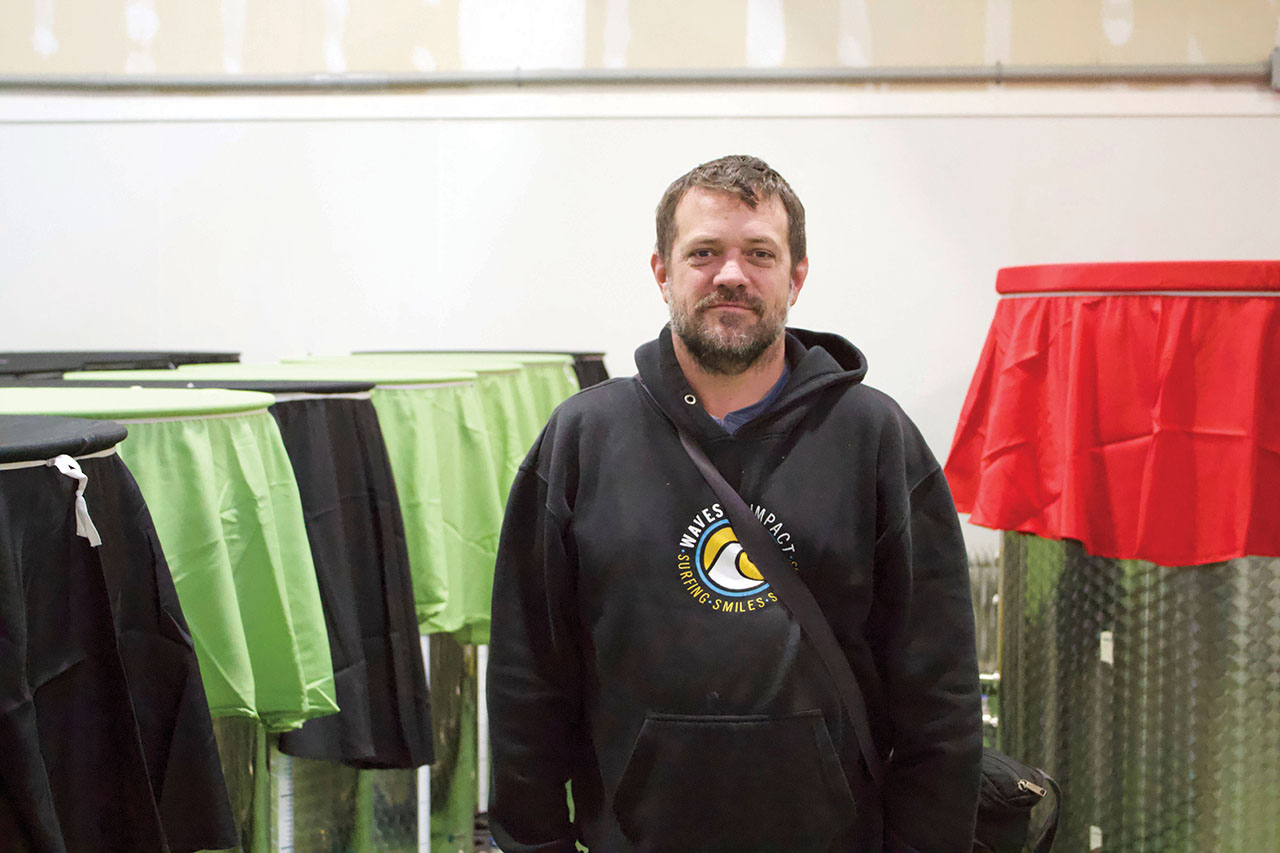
(1026, 785)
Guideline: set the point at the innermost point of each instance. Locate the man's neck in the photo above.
(721, 394)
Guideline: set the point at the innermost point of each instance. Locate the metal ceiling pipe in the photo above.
(1267, 73)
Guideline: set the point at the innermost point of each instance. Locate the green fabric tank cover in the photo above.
(128, 403)
(441, 455)
(547, 379)
(439, 437)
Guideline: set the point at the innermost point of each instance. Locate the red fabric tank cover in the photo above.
(1145, 425)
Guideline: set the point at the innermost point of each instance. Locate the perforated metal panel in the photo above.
(1151, 693)
(392, 803)
(325, 804)
(336, 809)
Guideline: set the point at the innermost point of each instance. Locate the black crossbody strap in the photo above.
(796, 597)
(1045, 842)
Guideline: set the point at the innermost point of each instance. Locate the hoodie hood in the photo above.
(817, 360)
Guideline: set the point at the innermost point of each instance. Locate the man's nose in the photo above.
(731, 273)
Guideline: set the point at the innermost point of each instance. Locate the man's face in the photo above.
(729, 281)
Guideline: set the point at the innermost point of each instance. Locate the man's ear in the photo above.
(659, 273)
(798, 275)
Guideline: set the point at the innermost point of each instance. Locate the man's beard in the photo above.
(726, 349)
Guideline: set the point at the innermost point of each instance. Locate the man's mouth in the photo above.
(733, 304)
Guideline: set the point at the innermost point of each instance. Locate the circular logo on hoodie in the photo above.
(723, 564)
(716, 570)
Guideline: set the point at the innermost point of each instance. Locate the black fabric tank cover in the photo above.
(357, 542)
(156, 649)
(83, 770)
(589, 368)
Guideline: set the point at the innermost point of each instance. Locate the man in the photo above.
(636, 650)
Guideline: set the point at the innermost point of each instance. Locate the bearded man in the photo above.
(639, 656)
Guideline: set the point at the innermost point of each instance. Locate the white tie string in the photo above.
(84, 524)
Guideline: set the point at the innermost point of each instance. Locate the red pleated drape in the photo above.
(1143, 424)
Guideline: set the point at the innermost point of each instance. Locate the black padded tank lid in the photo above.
(269, 386)
(31, 438)
(53, 362)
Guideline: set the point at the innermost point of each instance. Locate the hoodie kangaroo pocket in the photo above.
(733, 784)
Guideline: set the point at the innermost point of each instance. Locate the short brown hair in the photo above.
(750, 179)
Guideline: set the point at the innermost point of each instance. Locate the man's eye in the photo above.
(762, 254)
(700, 253)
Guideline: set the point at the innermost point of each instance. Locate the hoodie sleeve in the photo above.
(534, 693)
(930, 665)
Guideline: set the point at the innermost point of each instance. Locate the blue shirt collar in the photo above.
(739, 417)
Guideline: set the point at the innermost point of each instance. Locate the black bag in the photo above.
(1008, 792)
(1009, 788)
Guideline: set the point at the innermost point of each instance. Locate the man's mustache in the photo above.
(753, 303)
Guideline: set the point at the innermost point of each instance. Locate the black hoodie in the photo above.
(635, 652)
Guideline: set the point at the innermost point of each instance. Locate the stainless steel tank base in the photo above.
(282, 802)
(242, 750)
(1151, 693)
(454, 775)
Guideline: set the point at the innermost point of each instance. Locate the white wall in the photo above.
(282, 225)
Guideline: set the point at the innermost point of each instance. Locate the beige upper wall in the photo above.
(396, 36)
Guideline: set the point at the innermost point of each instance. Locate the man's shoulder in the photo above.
(597, 408)
(868, 403)
(587, 424)
(601, 400)
(878, 416)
